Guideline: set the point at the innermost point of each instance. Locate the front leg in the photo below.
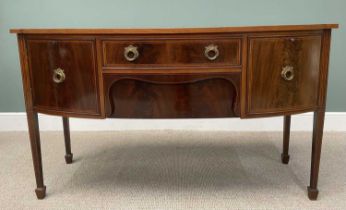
(36, 152)
(316, 152)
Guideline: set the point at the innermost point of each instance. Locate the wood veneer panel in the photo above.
(268, 91)
(173, 96)
(172, 52)
(78, 93)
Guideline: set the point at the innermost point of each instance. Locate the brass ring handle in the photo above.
(287, 73)
(131, 53)
(59, 75)
(211, 52)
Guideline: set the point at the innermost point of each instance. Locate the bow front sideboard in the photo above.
(243, 72)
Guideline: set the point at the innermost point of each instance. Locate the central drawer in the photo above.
(152, 52)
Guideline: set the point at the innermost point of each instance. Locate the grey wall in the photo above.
(161, 13)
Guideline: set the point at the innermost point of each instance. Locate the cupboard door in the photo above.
(283, 74)
(63, 75)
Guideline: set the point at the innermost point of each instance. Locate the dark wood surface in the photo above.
(285, 157)
(173, 96)
(319, 114)
(78, 92)
(67, 138)
(173, 78)
(172, 52)
(268, 91)
(33, 124)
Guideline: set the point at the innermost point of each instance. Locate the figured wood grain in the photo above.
(172, 52)
(79, 91)
(174, 96)
(267, 90)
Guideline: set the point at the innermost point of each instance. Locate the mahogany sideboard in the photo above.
(243, 72)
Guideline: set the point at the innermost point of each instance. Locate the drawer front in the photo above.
(213, 51)
(283, 74)
(63, 76)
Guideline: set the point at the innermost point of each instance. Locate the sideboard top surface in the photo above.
(175, 30)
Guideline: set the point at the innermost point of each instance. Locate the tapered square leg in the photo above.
(68, 155)
(286, 140)
(316, 153)
(32, 118)
(36, 153)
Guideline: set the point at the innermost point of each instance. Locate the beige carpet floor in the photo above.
(172, 170)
